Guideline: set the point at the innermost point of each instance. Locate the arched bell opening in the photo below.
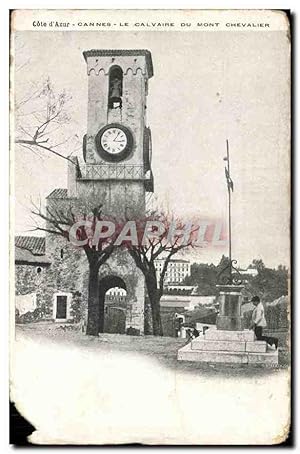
(115, 91)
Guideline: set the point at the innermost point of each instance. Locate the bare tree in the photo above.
(165, 247)
(40, 116)
(173, 237)
(58, 220)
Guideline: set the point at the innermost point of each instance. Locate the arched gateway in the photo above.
(113, 305)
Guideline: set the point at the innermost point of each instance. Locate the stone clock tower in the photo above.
(116, 164)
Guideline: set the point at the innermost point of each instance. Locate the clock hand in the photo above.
(116, 137)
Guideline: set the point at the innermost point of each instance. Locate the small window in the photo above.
(61, 253)
(61, 307)
(39, 270)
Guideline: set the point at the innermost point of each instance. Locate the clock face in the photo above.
(113, 140)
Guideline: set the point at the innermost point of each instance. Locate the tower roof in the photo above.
(122, 53)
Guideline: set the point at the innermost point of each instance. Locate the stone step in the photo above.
(223, 335)
(263, 358)
(229, 346)
(256, 347)
(217, 345)
(186, 353)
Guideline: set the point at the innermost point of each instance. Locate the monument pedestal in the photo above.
(229, 343)
(230, 299)
(223, 346)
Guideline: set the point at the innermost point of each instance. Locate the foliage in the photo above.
(77, 307)
(205, 276)
(30, 316)
(269, 283)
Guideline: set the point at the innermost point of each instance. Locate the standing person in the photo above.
(258, 322)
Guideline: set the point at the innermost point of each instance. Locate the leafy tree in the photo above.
(269, 284)
(258, 264)
(203, 276)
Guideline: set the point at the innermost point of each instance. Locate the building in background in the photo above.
(177, 270)
(180, 289)
(188, 303)
(250, 271)
(31, 264)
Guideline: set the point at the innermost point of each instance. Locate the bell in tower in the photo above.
(117, 147)
(115, 88)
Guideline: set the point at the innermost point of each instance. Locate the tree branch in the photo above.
(39, 144)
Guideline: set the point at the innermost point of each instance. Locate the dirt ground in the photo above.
(162, 349)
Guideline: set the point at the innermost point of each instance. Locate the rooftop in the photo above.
(59, 193)
(34, 244)
(30, 250)
(173, 260)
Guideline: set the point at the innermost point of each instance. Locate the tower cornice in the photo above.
(122, 53)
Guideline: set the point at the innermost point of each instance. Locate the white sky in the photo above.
(207, 87)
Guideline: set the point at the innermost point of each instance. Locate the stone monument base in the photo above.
(222, 346)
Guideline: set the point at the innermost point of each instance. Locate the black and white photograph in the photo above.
(150, 205)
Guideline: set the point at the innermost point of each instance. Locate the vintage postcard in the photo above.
(150, 217)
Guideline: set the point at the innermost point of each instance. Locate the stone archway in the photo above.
(112, 308)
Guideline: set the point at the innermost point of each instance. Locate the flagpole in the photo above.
(229, 213)
(233, 277)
